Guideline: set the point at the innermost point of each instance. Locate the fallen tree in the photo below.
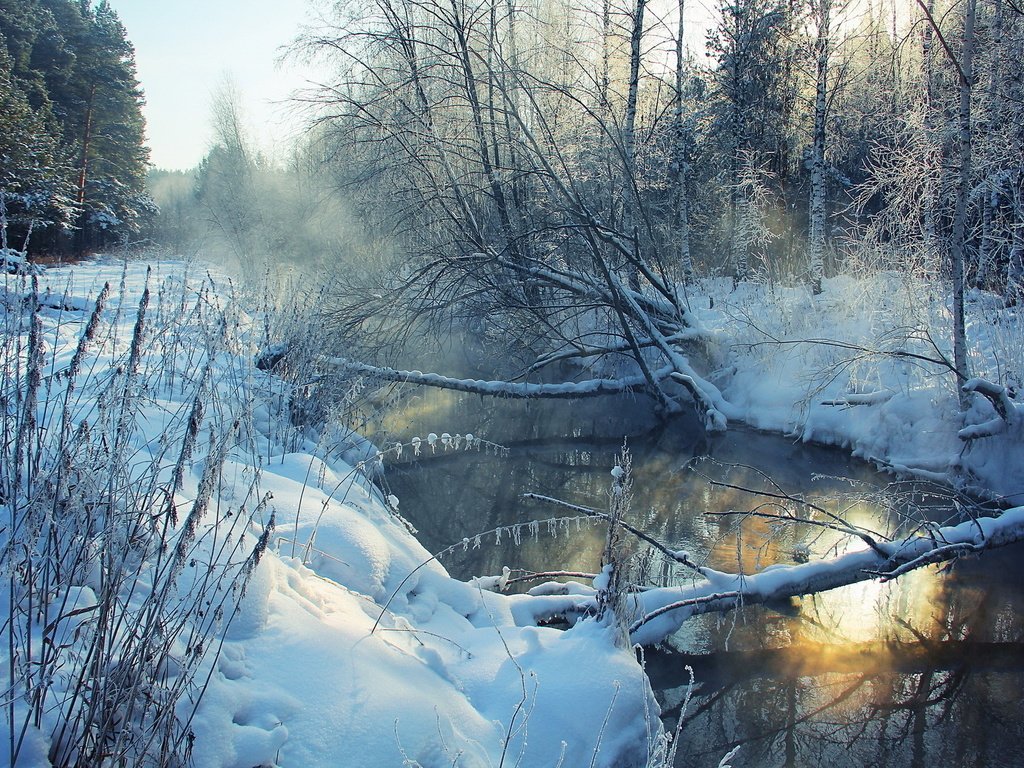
(523, 390)
(648, 615)
(660, 612)
(504, 224)
(653, 614)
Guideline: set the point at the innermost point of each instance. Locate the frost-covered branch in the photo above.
(660, 612)
(839, 523)
(567, 390)
(681, 557)
(860, 398)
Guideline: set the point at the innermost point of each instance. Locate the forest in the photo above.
(730, 315)
(74, 161)
(514, 163)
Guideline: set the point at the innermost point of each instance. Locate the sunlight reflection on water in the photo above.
(925, 670)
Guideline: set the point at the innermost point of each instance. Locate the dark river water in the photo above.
(924, 671)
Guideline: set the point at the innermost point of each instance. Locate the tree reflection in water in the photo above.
(925, 670)
(942, 688)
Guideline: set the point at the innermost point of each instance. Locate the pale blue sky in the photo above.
(186, 48)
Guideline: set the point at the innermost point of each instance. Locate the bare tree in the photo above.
(510, 226)
(821, 14)
(680, 149)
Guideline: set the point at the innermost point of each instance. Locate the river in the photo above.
(924, 671)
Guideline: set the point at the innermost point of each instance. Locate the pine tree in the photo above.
(75, 70)
(34, 188)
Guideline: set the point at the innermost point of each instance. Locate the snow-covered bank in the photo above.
(194, 565)
(854, 367)
(218, 551)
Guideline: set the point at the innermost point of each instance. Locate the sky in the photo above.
(186, 50)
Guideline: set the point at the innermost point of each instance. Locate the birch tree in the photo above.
(821, 14)
(680, 151)
(958, 246)
(532, 253)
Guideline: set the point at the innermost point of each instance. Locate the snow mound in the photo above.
(326, 634)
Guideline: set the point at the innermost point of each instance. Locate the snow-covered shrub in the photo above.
(121, 558)
(13, 262)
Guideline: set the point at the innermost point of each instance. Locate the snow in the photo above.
(854, 367)
(14, 262)
(672, 606)
(351, 645)
(566, 390)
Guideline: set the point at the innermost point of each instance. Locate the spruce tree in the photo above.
(74, 67)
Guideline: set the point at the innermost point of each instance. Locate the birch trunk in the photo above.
(959, 239)
(932, 171)
(816, 240)
(629, 141)
(682, 202)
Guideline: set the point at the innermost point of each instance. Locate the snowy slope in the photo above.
(859, 366)
(296, 658)
(194, 571)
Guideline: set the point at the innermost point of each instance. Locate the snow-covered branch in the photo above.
(660, 612)
(1002, 403)
(565, 390)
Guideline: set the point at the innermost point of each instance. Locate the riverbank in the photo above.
(170, 519)
(861, 366)
(260, 602)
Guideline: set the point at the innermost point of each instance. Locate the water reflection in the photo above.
(938, 683)
(926, 670)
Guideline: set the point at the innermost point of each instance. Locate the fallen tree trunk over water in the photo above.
(656, 613)
(509, 389)
(662, 611)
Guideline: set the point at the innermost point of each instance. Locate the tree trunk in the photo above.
(738, 254)
(83, 174)
(959, 239)
(816, 240)
(989, 245)
(461, 30)
(606, 34)
(1015, 267)
(632, 200)
(932, 169)
(682, 202)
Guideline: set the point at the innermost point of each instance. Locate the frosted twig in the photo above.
(680, 557)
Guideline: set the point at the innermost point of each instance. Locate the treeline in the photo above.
(804, 137)
(72, 156)
(246, 210)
